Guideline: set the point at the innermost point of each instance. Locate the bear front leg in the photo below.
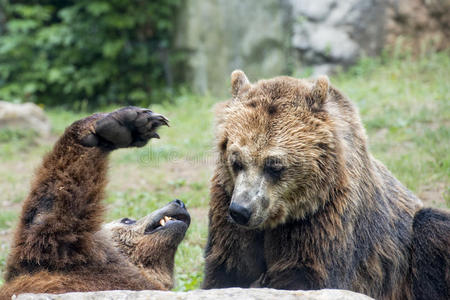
(64, 209)
(234, 256)
(237, 260)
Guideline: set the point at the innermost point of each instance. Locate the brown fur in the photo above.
(59, 244)
(430, 267)
(323, 212)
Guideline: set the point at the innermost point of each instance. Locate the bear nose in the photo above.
(179, 203)
(240, 214)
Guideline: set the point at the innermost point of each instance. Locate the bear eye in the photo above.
(236, 163)
(273, 168)
(127, 221)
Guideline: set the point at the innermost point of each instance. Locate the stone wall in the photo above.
(272, 37)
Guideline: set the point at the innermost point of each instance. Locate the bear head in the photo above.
(150, 243)
(279, 154)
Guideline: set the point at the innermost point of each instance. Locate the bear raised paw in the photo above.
(60, 244)
(126, 127)
(298, 202)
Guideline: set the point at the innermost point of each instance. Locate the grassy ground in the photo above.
(404, 104)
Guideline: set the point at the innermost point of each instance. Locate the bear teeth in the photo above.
(164, 220)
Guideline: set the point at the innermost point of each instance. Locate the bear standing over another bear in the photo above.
(298, 202)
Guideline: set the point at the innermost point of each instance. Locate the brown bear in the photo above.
(60, 245)
(298, 202)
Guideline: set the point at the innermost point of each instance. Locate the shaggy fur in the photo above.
(431, 254)
(60, 246)
(298, 202)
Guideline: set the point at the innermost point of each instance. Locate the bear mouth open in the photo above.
(167, 221)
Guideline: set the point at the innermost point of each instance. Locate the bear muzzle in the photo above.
(248, 208)
(239, 213)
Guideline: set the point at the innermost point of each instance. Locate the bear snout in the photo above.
(239, 213)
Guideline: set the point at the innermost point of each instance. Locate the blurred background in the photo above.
(61, 60)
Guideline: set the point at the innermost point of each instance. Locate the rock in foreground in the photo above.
(231, 293)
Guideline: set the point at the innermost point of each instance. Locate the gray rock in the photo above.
(24, 116)
(316, 10)
(340, 34)
(333, 45)
(231, 294)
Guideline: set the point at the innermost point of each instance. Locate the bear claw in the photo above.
(126, 127)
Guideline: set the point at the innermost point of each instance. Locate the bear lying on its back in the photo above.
(60, 245)
(298, 202)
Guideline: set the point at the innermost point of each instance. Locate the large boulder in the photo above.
(215, 294)
(331, 33)
(27, 116)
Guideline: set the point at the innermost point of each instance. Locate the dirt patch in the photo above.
(179, 174)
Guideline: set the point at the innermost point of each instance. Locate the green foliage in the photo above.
(189, 281)
(86, 52)
(189, 262)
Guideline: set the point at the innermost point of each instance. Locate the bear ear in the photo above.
(319, 92)
(239, 82)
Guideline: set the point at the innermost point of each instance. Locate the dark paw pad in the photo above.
(126, 127)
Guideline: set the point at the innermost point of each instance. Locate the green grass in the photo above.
(4, 249)
(405, 108)
(8, 219)
(404, 105)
